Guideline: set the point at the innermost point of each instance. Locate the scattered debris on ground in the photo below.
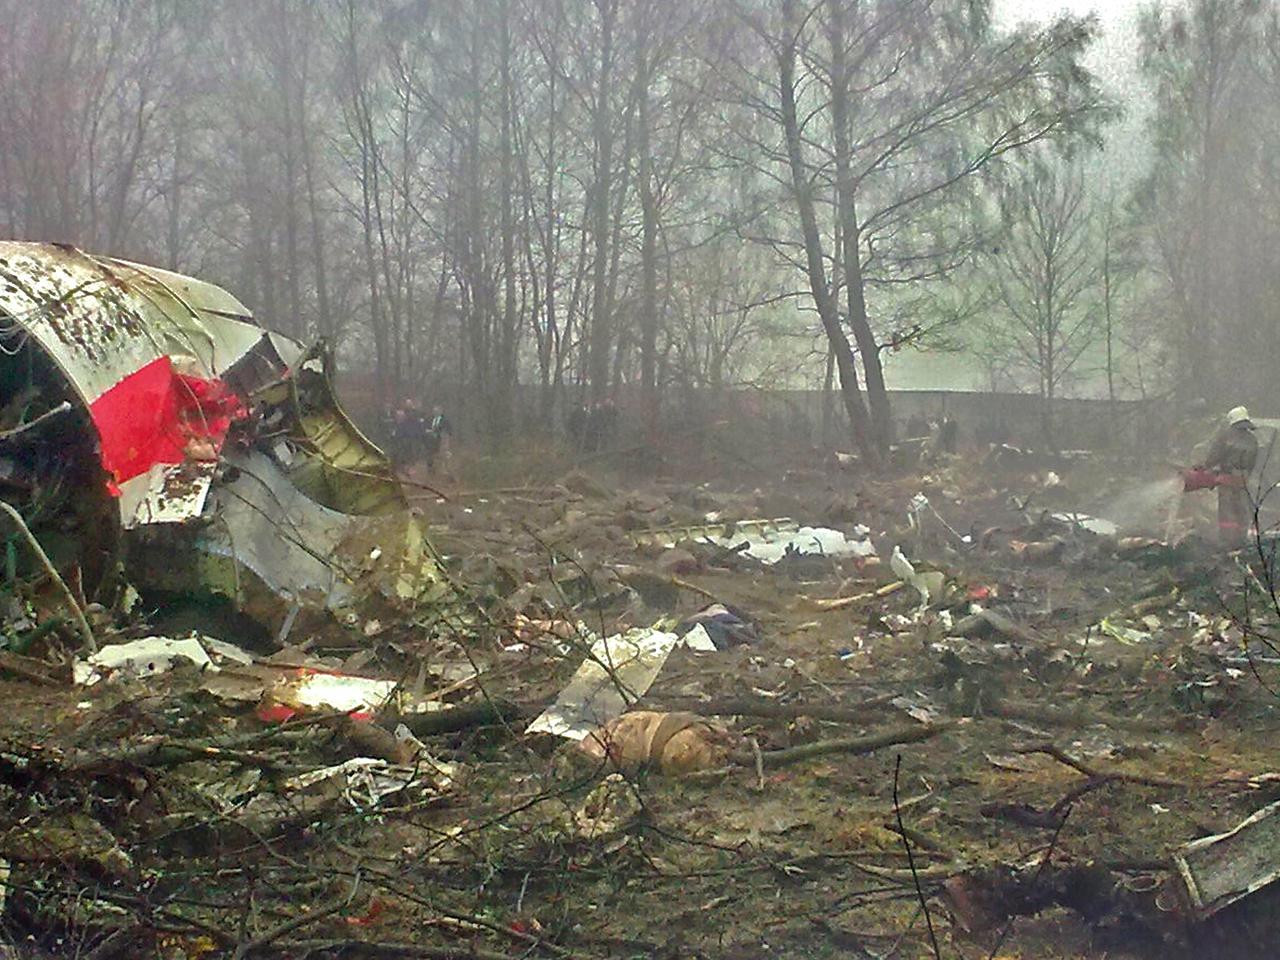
(264, 716)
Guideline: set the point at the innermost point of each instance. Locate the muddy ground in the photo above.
(882, 786)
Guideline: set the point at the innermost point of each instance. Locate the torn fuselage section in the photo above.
(205, 452)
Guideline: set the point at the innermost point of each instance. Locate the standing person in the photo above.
(401, 428)
(591, 430)
(438, 434)
(576, 426)
(419, 434)
(949, 436)
(1233, 452)
(607, 424)
(387, 427)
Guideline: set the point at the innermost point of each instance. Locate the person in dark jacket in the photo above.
(576, 426)
(606, 428)
(437, 434)
(401, 432)
(949, 436)
(1233, 452)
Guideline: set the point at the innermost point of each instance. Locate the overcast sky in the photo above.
(1014, 10)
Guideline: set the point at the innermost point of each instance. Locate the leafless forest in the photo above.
(573, 195)
(575, 479)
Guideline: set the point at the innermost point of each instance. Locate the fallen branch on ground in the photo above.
(322, 912)
(855, 745)
(745, 707)
(369, 948)
(158, 751)
(86, 633)
(28, 668)
(925, 843)
(482, 713)
(1050, 750)
(1052, 818)
(1082, 716)
(841, 603)
(1150, 604)
(1026, 815)
(907, 877)
(694, 588)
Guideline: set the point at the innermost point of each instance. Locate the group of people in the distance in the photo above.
(415, 436)
(592, 426)
(939, 436)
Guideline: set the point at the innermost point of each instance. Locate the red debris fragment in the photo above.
(157, 415)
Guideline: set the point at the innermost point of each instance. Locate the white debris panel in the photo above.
(617, 672)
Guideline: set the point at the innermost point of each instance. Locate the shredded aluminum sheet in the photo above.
(102, 320)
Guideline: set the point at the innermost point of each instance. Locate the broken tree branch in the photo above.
(18, 432)
(287, 927)
(90, 645)
(368, 948)
(911, 860)
(1083, 715)
(28, 668)
(841, 603)
(747, 707)
(694, 588)
(1052, 818)
(482, 713)
(1051, 750)
(855, 745)
(1026, 815)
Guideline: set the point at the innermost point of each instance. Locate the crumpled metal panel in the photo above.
(101, 320)
(82, 315)
(352, 473)
(283, 537)
(333, 461)
(167, 493)
(307, 553)
(290, 350)
(207, 299)
(1219, 870)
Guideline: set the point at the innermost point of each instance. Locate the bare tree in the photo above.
(84, 85)
(887, 113)
(1043, 273)
(1120, 271)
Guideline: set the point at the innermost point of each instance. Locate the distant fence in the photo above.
(812, 418)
